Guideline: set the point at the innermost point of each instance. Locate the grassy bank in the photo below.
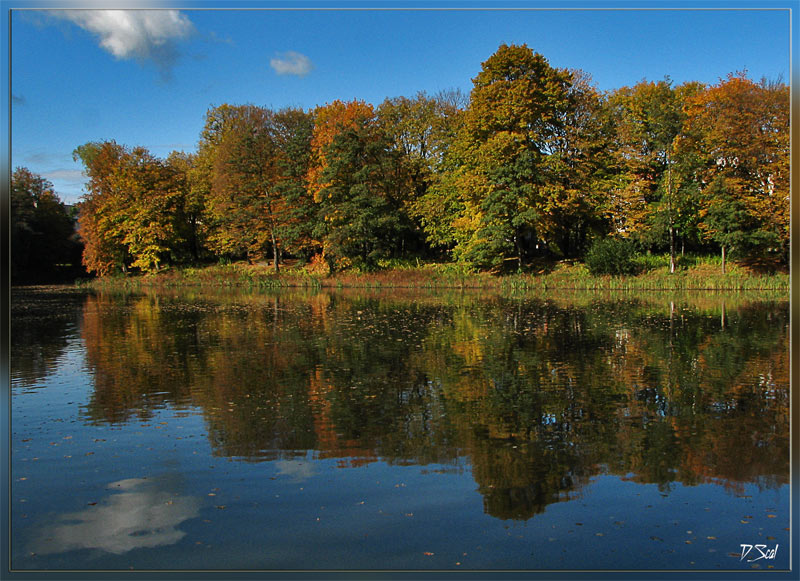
(693, 274)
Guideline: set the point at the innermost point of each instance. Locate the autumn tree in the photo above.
(353, 177)
(293, 133)
(738, 131)
(155, 193)
(243, 201)
(189, 210)
(200, 174)
(100, 217)
(649, 117)
(500, 169)
(252, 164)
(422, 130)
(128, 216)
(574, 170)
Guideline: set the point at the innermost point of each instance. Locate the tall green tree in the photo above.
(509, 130)
(361, 218)
(294, 129)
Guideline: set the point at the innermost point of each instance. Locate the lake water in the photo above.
(398, 430)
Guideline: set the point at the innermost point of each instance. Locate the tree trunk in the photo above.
(669, 210)
(518, 245)
(671, 248)
(723, 259)
(275, 252)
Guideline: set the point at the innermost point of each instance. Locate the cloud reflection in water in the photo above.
(297, 470)
(140, 516)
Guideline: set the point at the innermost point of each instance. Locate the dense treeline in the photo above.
(535, 163)
(45, 246)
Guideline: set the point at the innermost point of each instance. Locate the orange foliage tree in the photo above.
(738, 131)
(128, 215)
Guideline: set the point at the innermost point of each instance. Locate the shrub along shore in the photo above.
(692, 273)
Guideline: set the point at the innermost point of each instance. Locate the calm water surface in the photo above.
(393, 430)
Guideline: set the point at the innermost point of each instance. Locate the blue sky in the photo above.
(148, 78)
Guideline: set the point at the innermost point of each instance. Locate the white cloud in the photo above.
(135, 34)
(291, 63)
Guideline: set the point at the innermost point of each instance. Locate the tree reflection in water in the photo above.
(539, 393)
